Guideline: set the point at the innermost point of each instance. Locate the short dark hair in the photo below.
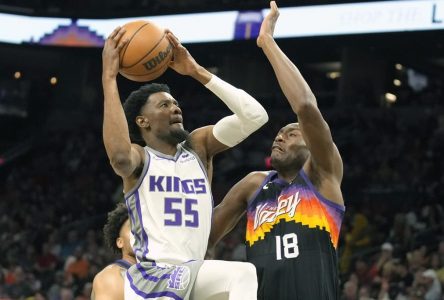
(133, 105)
(111, 230)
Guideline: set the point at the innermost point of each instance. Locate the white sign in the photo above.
(336, 19)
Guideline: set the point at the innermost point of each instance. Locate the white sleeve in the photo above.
(248, 116)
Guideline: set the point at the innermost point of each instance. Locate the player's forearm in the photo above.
(115, 127)
(201, 74)
(249, 115)
(292, 83)
(221, 226)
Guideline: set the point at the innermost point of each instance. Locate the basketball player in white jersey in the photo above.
(108, 283)
(166, 174)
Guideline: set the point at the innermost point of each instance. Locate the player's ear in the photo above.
(142, 121)
(119, 242)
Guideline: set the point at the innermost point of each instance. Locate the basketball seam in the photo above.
(129, 42)
(144, 74)
(160, 40)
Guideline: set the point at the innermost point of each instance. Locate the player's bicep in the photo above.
(228, 213)
(125, 165)
(318, 138)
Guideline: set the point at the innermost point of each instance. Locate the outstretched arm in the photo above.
(124, 156)
(228, 213)
(248, 115)
(315, 130)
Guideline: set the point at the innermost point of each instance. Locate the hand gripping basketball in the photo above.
(147, 53)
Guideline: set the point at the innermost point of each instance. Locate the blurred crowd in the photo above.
(54, 201)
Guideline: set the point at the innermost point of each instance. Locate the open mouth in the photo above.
(177, 120)
(276, 147)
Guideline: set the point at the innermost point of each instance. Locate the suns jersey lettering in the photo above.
(170, 208)
(292, 235)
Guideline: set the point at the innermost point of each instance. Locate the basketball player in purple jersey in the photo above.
(166, 175)
(294, 213)
(108, 283)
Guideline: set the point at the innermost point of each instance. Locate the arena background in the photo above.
(56, 185)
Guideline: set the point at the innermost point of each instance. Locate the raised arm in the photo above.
(124, 156)
(248, 115)
(315, 130)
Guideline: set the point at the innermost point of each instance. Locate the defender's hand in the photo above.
(268, 24)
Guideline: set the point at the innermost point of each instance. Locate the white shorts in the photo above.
(209, 279)
(148, 280)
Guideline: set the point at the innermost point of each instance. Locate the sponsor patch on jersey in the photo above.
(186, 158)
(180, 278)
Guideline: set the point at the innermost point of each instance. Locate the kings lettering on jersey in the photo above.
(175, 184)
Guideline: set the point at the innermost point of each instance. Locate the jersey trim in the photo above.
(133, 221)
(320, 197)
(142, 176)
(259, 189)
(198, 160)
(166, 156)
(123, 263)
(204, 171)
(142, 227)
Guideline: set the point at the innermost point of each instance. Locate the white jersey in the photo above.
(170, 208)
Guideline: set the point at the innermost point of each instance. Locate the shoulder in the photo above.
(245, 188)
(256, 177)
(139, 148)
(248, 185)
(108, 278)
(197, 139)
(253, 180)
(140, 151)
(205, 143)
(199, 136)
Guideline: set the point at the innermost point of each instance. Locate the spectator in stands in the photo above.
(385, 255)
(431, 284)
(357, 239)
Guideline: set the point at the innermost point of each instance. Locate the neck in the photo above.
(289, 170)
(288, 175)
(129, 258)
(162, 146)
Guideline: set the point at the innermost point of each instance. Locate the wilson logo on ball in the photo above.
(147, 54)
(158, 59)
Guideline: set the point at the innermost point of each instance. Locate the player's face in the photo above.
(164, 117)
(288, 144)
(125, 234)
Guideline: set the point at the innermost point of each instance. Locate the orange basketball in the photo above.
(147, 53)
